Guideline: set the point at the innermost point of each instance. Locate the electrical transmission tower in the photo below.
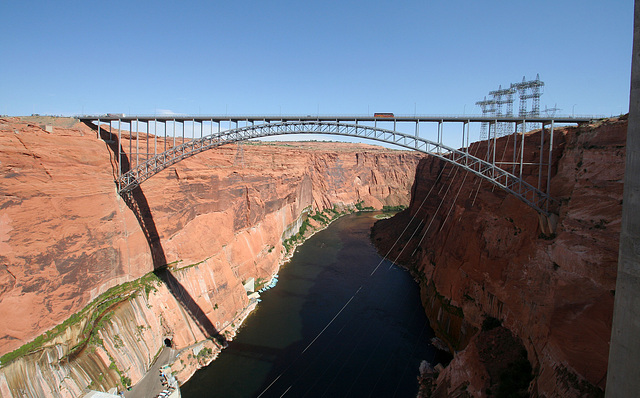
(526, 90)
(488, 109)
(239, 160)
(503, 97)
(529, 90)
(551, 111)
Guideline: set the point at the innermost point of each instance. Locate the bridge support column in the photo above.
(515, 146)
(119, 155)
(623, 376)
(549, 165)
(495, 145)
(467, 146)
(137, 144)
(541, 157)
(155, 137)
(439, 137)
(522, 148)
(146, 156)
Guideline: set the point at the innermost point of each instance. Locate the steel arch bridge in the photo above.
(488, 169)
(136, 166)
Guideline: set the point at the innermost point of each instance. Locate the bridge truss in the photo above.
(137, 164)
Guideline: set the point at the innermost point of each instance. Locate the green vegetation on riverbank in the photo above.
(89, 319)
(323, 218)
(361, 207)
(393, 208)
(390, 211)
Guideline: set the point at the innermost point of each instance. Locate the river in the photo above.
(329, 328)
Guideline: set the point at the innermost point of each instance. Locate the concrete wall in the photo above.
(623, 376)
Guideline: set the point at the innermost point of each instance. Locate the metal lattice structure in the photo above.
(239, 160)
(139, 163)
(488, 107)
(505, 180)
(503, 96)
(526, 90)
(551, 112)
(529, 90)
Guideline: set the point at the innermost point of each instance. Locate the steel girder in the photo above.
(511, 183)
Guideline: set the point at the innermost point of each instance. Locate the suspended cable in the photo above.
(373, 272)
(410, 221)
(406, 366)
(333, 319)
(454, 201)
(329, 366)
(431, 222)
(440, 205)
(415, 345)
(371, 352)
(314, 340)
(381, 261)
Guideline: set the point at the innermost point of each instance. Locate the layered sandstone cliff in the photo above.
(70, 245)
(480, 254)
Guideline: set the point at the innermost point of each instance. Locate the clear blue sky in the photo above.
(305, 57)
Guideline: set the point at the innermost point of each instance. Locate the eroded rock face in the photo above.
(479, 252)
(66, 236)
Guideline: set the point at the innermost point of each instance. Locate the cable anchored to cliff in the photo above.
(442, 201)
(395, 244)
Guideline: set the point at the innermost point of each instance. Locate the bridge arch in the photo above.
(505, 180)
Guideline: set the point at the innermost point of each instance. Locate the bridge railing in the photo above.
(570, 119)
(516, 185)
(143, 153)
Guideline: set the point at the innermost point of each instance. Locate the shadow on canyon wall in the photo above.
(137, 202)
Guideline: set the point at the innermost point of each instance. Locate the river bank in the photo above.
(190, 359)
(330, 327)
(72, 243)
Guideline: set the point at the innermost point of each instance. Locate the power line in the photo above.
(528, 91)
(359, 289)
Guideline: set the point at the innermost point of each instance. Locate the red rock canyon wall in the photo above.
(484, 254)
(66, 237)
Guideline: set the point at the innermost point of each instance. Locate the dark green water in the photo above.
(289, 346)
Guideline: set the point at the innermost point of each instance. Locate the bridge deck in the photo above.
(136, 164)
(341, 118)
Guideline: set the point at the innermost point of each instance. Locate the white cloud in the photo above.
(165, 112)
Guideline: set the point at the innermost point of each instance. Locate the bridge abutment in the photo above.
(548, 223)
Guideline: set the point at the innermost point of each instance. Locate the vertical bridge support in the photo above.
(138, 163)
(623, 376)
